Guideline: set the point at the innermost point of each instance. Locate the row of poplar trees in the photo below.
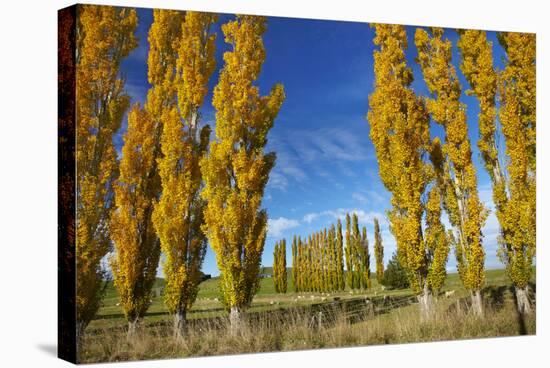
(318, 261)
(172, 190)
(421, 188)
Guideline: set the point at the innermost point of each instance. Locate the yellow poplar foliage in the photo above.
(466, 212)
(164, 38)
(477, 67)
(341, 280)
(378, 252)
(436, 240)
(364, 259)
(517, 89)
(135, 262)
(350, 278)
(514, 191)
(399, 130)
(105, 35)
(237, 169)
(181, 61)
(295, 269)
(279, 267)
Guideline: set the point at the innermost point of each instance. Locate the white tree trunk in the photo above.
(426, 303)
(132, 328)
(180, 324)
(477, 303)
(235, 320)
(522, 297)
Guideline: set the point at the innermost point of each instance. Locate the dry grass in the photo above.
(297, 329)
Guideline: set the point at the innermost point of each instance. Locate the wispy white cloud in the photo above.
(307, 153)
(340, 214)
(277, 180)
(277, 226)
(330, 144)
(359, 197)
(310, 217)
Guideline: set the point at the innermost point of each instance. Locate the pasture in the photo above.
(294, 321)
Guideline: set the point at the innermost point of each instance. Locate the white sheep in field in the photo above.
(118, 304)
(449, 293)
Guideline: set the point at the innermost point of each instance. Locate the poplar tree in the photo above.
(236, 170)
(517, 86)
(279, 267)
(105, 36)
(333, 266)
(365, 260)
(283, 276)
(315, 262)
(340, 256)
(458, 180)
(295, 269)
(349, 254)
(181, 61)
(513, 183)
(378, 252)
(275, 267)
(399, 130)
(134, 264)
(299, 286)
(355, 251)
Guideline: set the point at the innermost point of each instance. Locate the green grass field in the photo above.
(286, 322)
(208, 301)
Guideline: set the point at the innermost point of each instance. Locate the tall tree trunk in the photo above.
(523, 302)
(477, 303)
(180, 324)
(426, 303)
(80, 327)
(132, 328)
(235, 319)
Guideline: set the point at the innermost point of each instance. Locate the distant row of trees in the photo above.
(318, 261)
(172, 189)
(400, 130)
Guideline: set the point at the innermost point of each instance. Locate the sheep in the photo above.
(449, 293)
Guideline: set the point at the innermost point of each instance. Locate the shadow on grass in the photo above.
(494, 296)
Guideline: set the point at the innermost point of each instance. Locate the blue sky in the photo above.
(326, 164)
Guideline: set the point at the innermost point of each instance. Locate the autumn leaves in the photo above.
(236, 170)
(173, 190)
(105, 35)
(172, 187)
(400, 121)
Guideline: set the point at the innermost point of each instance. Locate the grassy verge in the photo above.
(295, 329)
(289, 326)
